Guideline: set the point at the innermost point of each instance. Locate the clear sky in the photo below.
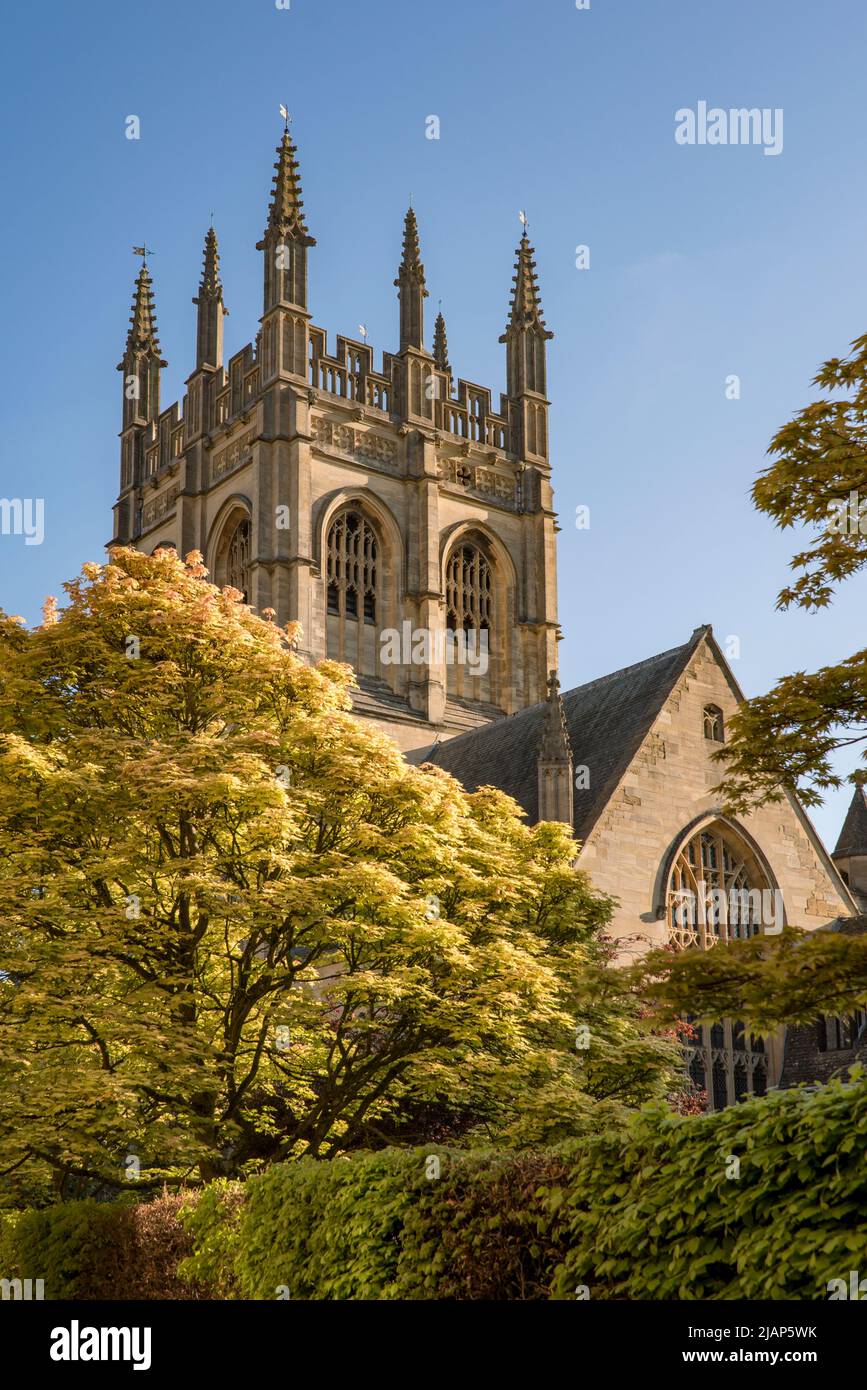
(705, 261)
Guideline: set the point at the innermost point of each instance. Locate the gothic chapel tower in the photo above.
(383, 509)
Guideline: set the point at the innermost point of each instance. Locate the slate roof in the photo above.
(606, 720)
(853, 836)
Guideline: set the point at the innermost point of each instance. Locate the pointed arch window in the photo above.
(353, 564)
(714, 728)
(468, 590)
(717, 892)
(237, 570)
(726, 1062)
(470, 621)
(231, 562)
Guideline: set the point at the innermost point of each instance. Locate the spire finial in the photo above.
(209, 302)
(210, 286)
(441, 347)
(526, 308)
(410, 265)
(142, 335)
(285, 212)
(410, 283)
(554, 761)
(555, 745)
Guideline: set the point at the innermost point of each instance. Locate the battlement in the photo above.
(462, 409)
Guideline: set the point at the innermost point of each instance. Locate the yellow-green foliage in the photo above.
(75, 1247)
(237, 927)
(656, 1208)
(653, 1208)
(662, 1211)
(97, 1250)
(380, 1226)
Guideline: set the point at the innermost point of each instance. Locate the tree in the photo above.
(237, 927)
(785, 740)
(767, 981)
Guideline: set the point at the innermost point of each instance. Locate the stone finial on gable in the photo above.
(554, 765)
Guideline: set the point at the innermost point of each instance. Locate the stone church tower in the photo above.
(406, 524)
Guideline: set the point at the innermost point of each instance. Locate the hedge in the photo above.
(96, 1250)
(377, 1226)
(767, 1200)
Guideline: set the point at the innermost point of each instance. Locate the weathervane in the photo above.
(284, 112)
(524, 220)
(144, 252)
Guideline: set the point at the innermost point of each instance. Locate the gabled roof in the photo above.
(606, 721)
(853, 836)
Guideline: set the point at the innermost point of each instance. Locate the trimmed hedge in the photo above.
(96, 1250)
(767, 1200)
(376, 1226)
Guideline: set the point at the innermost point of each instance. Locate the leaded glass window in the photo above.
(237, 570)
(718, 892)
(714, 727)
(353, 590)
(715, 891)
(469, 620)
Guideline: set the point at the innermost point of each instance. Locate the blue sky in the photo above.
(704, 261)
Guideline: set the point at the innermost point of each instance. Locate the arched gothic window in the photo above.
(469, 624)
(353, 591)
(718, 891)
(714, 727)
(230, 561)
(237, 559)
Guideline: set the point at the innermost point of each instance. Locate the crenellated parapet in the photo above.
(461, 408)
